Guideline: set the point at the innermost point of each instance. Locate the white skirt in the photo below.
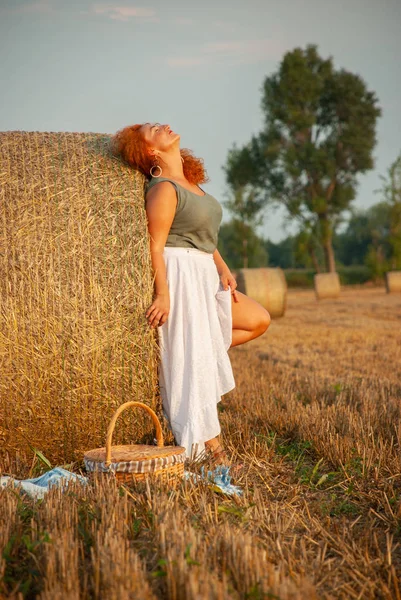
(195, 369)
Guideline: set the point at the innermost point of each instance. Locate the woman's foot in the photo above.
(218, 456)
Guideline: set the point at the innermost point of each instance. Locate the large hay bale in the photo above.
(266, 286)
(327, 285)
(75, 281)
(393, 282)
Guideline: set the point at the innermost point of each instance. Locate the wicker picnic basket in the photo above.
(136, 462)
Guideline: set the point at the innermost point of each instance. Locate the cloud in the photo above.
(245, 51)
(225, 26)
(40, 6)
(186, 62)
(122, 13)
(232, 52)
(117, 13)
(183, 21)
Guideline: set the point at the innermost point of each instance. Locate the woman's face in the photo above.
(159, 137)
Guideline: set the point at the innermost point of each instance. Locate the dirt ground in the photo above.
(355, 336)
(315, 419)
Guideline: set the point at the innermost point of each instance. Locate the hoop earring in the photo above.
(156, 167)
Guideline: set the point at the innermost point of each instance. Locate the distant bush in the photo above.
(350, 275)
(299, 277)
(354, 274)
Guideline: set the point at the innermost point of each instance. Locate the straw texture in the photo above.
(75, 281)
(393, 282)
(266, 286)
(327, 285)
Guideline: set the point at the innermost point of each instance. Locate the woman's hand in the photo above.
(158, 311)
(226, 277)
(228, 280)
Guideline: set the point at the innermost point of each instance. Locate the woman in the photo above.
(198, 312)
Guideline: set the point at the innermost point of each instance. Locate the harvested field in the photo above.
(316, 419)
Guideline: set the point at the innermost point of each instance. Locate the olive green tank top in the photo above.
(197, 219)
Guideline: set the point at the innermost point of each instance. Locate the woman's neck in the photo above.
(172, 165)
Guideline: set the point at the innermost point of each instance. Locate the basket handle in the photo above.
(120, 409)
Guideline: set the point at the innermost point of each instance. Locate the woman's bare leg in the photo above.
(250, 319)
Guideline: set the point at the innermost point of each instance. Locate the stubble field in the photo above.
(315, 417)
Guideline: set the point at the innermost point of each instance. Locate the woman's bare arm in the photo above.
(161, 202)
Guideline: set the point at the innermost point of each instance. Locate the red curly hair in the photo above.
(131, 146)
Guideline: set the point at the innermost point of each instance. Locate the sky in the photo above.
(70, 65)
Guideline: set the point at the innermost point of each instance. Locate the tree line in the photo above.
(318, 136)
(368, 239)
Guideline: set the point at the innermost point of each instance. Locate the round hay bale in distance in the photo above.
(327, 285)
(393, 282)
(267, 286)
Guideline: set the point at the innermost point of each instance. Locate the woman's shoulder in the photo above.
(166, 190)
(155, 180)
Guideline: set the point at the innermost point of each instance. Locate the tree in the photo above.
(231, 237)
(391, 191)
(306, 246)
(245, 208)
(318, 135)
(351, 246)
(294, 252)
(281, 254)
(379, 250)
